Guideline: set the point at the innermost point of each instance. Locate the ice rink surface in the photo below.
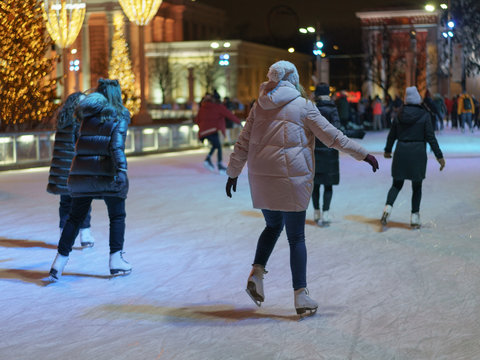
(398, 294)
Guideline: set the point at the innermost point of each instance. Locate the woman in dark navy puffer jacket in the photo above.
(99, 171)
(63, 151)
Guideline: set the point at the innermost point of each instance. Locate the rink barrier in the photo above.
(34, 149)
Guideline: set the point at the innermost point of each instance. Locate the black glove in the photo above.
(387, 155)
(231, 183)
(372, 161)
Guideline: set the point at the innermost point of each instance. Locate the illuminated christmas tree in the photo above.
(121, 67)
(27, 91)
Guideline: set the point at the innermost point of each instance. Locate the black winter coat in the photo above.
(327, 166)
(99, 167)
(413, 129)
(63, 152)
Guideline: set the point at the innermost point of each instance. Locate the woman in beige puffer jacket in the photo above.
(278, 142)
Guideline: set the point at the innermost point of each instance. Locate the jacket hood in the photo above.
(411, 113)
(94, 104)
(274, 95)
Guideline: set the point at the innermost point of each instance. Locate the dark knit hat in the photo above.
(322, 89)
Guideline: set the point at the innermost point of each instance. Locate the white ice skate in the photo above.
(326, 218)
(386, 214)
(415, 221)
(118, 266)
(222, 168)
(207, 164)
(255, 284)
(86, 238)
(304, 303)
(317, 217)
(57, 267)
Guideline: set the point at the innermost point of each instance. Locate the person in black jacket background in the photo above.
(327, 165)
(63, 151)
(412, 129)
(99, 171)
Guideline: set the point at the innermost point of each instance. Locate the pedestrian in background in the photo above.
(465, 111)
(278, 142)
(211, 120)
(377, 109)
(66, 135)
(99, 171)
(412, 130)
(327, 168)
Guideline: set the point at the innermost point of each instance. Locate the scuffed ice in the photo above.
(398, 294)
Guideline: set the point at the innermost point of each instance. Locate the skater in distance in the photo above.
(99, 171)
(412, 129)
(211, 120)
(327, 163)
(278, 143)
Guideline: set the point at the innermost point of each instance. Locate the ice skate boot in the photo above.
(304, 303)
(386, 214)
(255, 284)
(86, 238)
(326, 218)
(415, 220)
(207, 164)
(222, 168)
(57, 267)
(317, 217)
(118, 266)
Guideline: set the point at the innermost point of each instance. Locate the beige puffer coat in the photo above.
(278, 142)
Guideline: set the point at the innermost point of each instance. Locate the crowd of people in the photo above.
(290, 142)
(460, 112)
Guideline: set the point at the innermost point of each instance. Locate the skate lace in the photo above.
(121, 256)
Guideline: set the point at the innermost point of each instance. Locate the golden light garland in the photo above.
(140, 11)
(63, 20)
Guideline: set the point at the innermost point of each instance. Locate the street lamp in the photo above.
(141, 12)
(64, 19)
(317, 49)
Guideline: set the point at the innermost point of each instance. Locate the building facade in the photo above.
(180, 35)
(404, 48)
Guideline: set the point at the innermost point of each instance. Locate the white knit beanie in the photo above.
(412, 96)
(283, 70)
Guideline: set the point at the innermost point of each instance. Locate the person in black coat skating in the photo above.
(327, 165)
(99, 171)
(412, 130)
(63, 151)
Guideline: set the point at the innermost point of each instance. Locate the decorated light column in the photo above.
(141, 12)
(64, 19)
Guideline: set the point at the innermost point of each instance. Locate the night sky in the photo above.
(276, 22)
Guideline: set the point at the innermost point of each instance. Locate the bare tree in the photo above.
(164, 76)
(207, 73)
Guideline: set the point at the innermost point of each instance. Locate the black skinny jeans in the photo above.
(80, 206)
(327, 196)
(416, 193)
(64, 210)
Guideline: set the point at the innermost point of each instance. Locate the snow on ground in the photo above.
(400, 294)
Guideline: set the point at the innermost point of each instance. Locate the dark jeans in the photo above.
(80, 206)
(327, 196)
(214, 141)
(416, 193)
(294, 223)
(64, 210)
(466, 118)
